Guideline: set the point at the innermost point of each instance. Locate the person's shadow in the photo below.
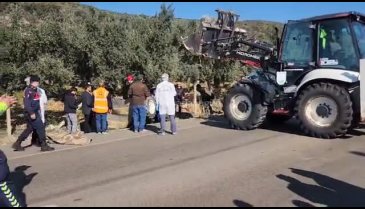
(242, 204)
(20, 179)
(328, 191)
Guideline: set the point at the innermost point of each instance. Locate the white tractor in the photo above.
(312, 73)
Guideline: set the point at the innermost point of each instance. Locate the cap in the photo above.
(130, 78)
(34, 78)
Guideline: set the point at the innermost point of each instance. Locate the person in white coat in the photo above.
(165, 100)
(43, 103)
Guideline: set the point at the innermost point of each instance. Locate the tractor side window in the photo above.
(336, 47)
(298, 45)
(359, 29)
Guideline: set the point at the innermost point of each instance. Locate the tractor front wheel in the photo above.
(243, 109)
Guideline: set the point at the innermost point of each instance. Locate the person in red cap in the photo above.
(130, 79)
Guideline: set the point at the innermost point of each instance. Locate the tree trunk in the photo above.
(195, 98)
(216, 81)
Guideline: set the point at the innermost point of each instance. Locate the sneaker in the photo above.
(141, 131)
(161, 133)
(135, 131)
(105, 133)
(174, 133)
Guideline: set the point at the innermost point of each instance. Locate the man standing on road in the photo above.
(138, 92)
(179, 98)
(70, 108)
(165, 99)
(87, 105)
(102, 105)
(130, 80)
(34, 121)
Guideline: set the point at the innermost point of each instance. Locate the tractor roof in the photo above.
(333, 16)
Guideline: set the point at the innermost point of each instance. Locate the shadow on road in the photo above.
(302, 204)
(290, 127)
(20, 179)
(328, 191)
(184, 115)
(217, 121)
(152, 128)
(358, 153)
(241, 204)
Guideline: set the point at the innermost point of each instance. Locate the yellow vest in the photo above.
(100, 100)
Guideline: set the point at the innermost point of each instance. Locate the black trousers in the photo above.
(36, 126)
(89, 123)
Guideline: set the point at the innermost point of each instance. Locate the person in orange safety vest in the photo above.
(102, 106)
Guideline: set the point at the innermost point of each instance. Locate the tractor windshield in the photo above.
(359, 29)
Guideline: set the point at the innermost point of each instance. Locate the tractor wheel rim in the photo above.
(240, 107)
(321, 111)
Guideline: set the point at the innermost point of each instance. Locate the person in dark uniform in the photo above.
(7, 196)
(34, 120)
(87, 106)
(179, 98)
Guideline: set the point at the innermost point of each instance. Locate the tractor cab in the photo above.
(334, 41)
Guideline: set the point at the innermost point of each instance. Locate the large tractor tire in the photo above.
(243, 108)
(324, 110)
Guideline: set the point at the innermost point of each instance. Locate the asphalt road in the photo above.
(206, 164)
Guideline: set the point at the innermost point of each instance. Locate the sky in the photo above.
(270, 11)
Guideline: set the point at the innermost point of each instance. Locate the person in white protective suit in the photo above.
(165, 99)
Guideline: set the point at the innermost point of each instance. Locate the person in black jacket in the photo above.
(87, 105)
(71, 103)
(179, 98)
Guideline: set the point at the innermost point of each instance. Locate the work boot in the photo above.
(17, 146)
(45, 148)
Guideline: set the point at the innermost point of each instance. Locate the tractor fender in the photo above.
(343, 76)
(263, 96)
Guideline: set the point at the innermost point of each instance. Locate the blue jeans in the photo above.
(139, 117)
(101, 122)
